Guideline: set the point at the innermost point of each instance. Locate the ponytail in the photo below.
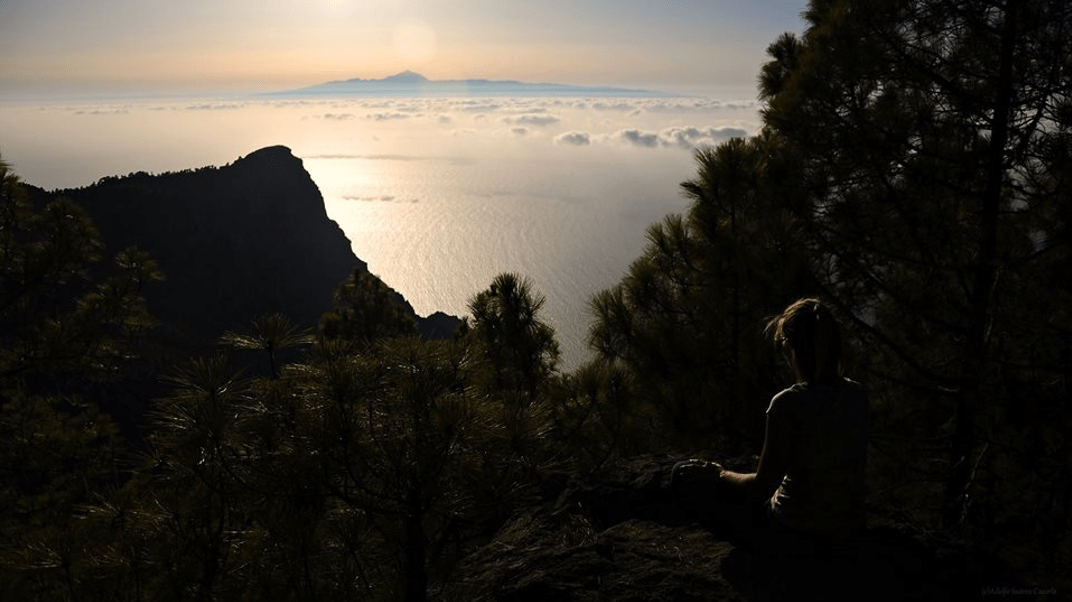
(809, 328)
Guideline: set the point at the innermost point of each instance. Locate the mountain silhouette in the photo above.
(234, 242)
(409, 83)
(406, 77)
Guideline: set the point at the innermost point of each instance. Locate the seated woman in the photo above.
(810, 478)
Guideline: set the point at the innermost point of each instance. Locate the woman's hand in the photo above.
(696, 472)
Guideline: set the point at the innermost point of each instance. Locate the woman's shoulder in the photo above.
(785, 399)
(801, 393)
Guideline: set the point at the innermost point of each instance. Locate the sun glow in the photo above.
(415, 42)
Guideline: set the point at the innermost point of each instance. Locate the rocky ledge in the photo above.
(617, 535)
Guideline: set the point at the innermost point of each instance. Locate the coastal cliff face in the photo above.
(234, 242)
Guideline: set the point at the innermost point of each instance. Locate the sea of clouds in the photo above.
(653, 123)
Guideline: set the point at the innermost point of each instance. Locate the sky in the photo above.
(165, 46)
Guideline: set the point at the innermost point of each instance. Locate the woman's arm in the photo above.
(773, 463)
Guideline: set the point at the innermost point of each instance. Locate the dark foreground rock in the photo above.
(618, 535)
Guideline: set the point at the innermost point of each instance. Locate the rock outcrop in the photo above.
(618, 535)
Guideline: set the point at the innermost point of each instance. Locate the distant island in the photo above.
(408, 84)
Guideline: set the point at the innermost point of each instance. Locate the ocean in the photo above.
(438, 196)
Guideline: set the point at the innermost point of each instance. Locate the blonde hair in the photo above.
(808, 327)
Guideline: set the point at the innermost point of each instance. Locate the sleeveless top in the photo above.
(822, 492)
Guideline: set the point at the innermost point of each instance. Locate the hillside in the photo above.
(234, 242)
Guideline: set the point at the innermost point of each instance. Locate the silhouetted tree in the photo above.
(271, 333)
(189, 480)
(421, 463)
(687, 317)
(67, 321)
(365, 310)
(517, 347)
(933, 141)
(60, 311)
(599, 415)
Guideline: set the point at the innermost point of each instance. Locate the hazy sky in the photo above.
(253, 45)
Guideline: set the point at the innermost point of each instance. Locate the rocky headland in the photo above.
(234, 243)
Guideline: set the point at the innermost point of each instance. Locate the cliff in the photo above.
(234, 242)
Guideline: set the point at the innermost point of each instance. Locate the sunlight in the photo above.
(415, 42)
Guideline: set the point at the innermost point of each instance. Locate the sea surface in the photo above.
(438, 196)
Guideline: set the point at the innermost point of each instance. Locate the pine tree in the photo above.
(515, 344)
(932, 140)
(366, 310)
(687, 318)
(271, 333)
(67, 323)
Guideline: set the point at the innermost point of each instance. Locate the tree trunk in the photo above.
(980, 300)
(416, 586)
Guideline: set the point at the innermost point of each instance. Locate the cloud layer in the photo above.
(574, 138)
(537, 119)
(643, 123)
(687, 137)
